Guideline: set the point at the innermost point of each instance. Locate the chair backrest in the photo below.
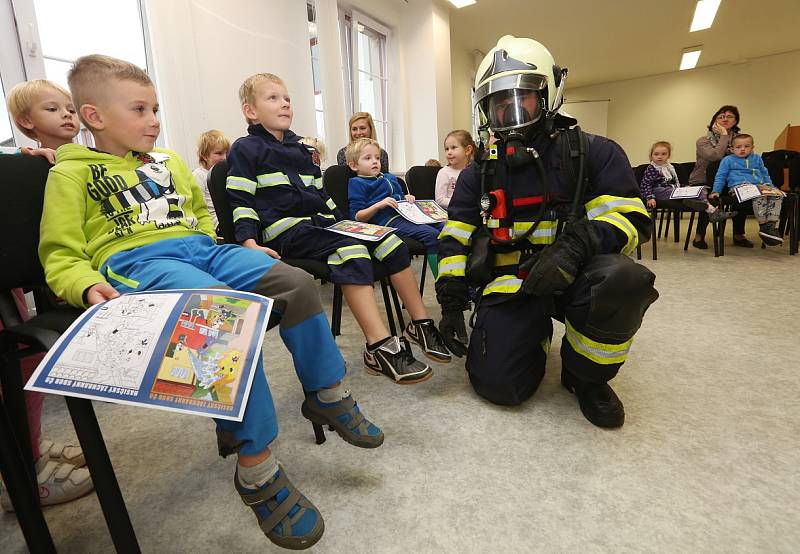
(217, 178)
(794, 173)
(711, 173)
(422, 181)
(638, 172)
(775, 166)
(334, 181)
(22, 184)
(684, 169)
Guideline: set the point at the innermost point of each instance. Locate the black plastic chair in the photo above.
(22, 184)
(422, 181)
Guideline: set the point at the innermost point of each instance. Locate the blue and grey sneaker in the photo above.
(345, 418)
(287, 517)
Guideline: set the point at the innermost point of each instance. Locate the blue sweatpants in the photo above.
(427, 234)
(197, 262)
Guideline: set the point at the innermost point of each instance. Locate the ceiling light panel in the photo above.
(704, 14)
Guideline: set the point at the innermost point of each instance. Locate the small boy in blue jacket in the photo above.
(746, 167)
(373, 198)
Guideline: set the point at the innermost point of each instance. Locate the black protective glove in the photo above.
(453, 296)
(454, 332)
(557, 266)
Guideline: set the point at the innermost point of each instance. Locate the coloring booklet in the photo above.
(422, 211)
(360, 230)
(686, 192)
(748, 192)
(193, 351)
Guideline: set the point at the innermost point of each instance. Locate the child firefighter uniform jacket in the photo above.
(274, 186)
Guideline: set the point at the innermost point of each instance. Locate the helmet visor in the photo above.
(512, 109)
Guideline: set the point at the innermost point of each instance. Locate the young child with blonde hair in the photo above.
(212, 148)
(43, 111)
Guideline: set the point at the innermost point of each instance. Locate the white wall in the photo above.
(678, 106)
(203, 50)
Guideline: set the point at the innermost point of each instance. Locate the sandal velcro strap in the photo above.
(281, 511)
(268, 493)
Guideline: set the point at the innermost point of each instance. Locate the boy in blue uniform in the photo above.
(279, 206)
(373, 197)
(125, 217)
(746, 167)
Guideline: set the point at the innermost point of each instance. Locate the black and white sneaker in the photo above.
(394, 359)
(427, 336)
(770, 234)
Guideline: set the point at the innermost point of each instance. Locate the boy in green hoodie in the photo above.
(127, 217)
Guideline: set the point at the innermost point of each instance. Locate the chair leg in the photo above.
(653, 216)
(638, 251)
(661, 223)
(422, 276)
(388, 305)
(669, 219)
(718, 235)
(14, 399)
(398, 309)
(677, 231)
(13, 468)
(336, 316)
(105, 482)
(688, 232)
(319, 432)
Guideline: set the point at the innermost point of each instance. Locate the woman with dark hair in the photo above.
(712, 147)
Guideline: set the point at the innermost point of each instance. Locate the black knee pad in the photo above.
(609, 298)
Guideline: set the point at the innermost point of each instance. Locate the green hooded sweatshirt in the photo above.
(98, 204)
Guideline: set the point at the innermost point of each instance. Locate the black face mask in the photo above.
(517, 154)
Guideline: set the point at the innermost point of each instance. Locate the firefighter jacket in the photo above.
(274, 186)
(611, 201)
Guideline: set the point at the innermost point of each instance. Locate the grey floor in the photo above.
(707, 460)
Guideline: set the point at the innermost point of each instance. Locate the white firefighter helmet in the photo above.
(517, 81)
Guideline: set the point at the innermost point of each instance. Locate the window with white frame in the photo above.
(55, 33)
(364, 54)
(313, 35)
(6, 135)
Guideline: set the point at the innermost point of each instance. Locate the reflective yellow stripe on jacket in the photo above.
(609, 209)
(240, 183)
(506, 284)
(453, 266)
(244, 213)
(598, 352)
(272, 179)
(282, 225)
(462, 232)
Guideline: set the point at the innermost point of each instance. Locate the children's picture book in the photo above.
(422, 211)
(747, 191)
(680, 193)
(360, 230)
(193, 351)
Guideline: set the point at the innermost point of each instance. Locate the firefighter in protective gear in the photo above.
(542, 231)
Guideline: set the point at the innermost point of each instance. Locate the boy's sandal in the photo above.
(62, 452)
(285, 516)
(345, 418)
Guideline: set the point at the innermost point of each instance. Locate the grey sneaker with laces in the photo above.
(770, 234)
(394, 359)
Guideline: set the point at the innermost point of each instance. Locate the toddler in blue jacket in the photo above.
(746, 167)
(373, 198)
